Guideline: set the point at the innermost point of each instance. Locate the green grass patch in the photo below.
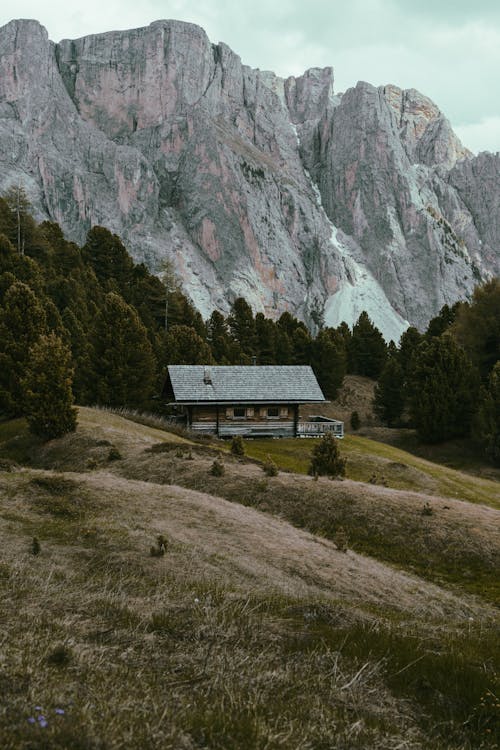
(394, 467)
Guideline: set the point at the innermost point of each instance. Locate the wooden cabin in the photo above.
(253, 401)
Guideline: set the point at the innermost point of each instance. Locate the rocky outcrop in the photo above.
(281, 191)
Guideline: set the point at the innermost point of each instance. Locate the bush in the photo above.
(217, 469)
(35, 546)
(114, 454)
(7, 465)
(326, 459)
(341, 540)
(159, 548)
(270, 469)
(60, 656)
(237, 446)
(47, 389)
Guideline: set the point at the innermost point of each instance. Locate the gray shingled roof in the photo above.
(286, 384)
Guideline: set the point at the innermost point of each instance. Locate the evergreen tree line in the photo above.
(446, 381)
(119, 326)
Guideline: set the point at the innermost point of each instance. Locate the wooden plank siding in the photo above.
(221, 420)
(255, 429)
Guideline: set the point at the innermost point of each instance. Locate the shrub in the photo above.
(217, 469)
(35, 546)
(270, 469)
(60, 656)
(54, 485)
(237, 446)
(341, 539)
(355, 421)
(163, 448)
(159, 548)
(114, 454)
(7, 465)
(326, 459)
(47, 389)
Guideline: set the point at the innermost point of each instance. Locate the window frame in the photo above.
(275, 409)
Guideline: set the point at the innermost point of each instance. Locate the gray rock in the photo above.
(280, 191)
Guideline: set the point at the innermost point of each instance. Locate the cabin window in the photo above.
(273, 412)
(239, 412)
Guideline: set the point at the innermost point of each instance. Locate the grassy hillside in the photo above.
(384, 464)
(253, 630)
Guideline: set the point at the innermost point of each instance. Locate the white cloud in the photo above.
(481, 136)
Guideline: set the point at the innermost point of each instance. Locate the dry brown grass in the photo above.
(458, 543)
(249, 632)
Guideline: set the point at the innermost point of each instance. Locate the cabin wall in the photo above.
(270, 419)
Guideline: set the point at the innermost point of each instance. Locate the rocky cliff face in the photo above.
(279, 191)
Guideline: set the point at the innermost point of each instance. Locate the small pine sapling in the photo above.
(35, 546)
(217, 469)
(158, 549)
(114, 454)
(326, 459)
(60, 656)
(269, 467)
(341, 539)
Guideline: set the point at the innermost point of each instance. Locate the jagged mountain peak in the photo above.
(278, 190)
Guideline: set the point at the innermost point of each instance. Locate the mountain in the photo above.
(277, 190)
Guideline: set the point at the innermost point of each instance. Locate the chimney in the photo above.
(254, 360)
(207, 377)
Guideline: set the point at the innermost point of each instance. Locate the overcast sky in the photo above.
(447, 49)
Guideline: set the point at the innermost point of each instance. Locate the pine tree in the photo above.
(81, 354)
(22, 322)
(301, 346)
(408, 344)
(109, 259)
(182, 312)
(283, 347)
(441, 323)
(19, 206)
(170, 283)
(54, 321)
(265, 332)
(477, 327)
(183, 346)
(242, 326)
(47, 390)
(487, 420)
(326, 459)
(367, 348)
(222, 345)
(443, 390)
(389, 400)
(329, 361)
(123, 361)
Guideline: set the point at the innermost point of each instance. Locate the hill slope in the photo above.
(249, 632)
